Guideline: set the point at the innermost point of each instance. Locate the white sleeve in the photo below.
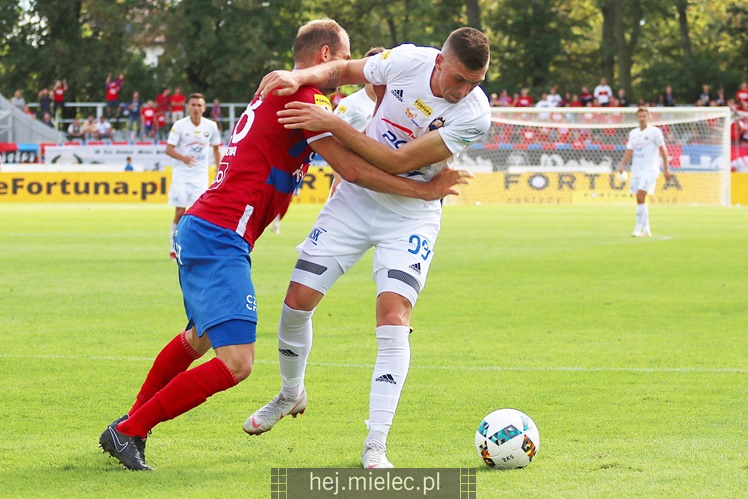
(215, 135)
(469, 128)
(659, 138)
(173, 138)
(351, 114)
(628, 143)
(381, 68)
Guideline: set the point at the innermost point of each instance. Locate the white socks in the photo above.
(390, 371)
(642, 217)
(294, 344)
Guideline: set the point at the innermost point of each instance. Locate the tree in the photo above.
(530, 38)
(473, 13)
(628, 19)
(608, 42)
(223, 49)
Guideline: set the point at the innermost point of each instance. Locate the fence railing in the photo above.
(120, 121)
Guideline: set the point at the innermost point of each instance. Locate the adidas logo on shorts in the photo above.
(386, 378)
(288, 353)
(416, 267)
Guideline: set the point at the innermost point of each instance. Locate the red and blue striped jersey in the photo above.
(262, 167)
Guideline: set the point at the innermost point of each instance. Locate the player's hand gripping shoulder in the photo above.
(444, 183)
(279, 82)
(307, 116)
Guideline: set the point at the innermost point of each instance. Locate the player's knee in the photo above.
(393, 310)
(393, 318)
(300, 297)
(200, 344)
(242, 370)
(238, 360)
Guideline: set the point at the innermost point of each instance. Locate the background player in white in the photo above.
(431, 111)
(644, 145)
(189, 141)
(357, 110)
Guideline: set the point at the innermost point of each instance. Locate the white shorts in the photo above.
(644, 183)
(183, 194)
(352, 222)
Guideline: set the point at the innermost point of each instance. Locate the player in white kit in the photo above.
(357, 110)
(646, 145)
(431, 111)
(189, 142)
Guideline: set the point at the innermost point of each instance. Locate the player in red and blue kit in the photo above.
(255, 181)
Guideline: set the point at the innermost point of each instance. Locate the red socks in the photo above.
(186, 391)
(175, 358)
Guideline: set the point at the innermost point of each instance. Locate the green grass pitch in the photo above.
(629, 354)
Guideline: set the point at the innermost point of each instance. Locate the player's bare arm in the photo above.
(356, 170)
(423, 151)
(328, 75)
(624, 161)
(217, 155)
(665, 163)
(187, 160)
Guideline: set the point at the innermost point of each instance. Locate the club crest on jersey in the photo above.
(437, 123)
(322, 100)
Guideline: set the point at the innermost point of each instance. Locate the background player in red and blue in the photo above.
(255, 181)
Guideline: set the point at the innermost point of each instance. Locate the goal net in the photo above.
(570, 155)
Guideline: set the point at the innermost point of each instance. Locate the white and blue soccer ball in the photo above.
(507, 439)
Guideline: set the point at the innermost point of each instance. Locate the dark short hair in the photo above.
(315, 35)
(374, 51)
(196, 95)
(470, 46)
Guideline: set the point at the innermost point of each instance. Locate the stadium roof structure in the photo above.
(16, 126)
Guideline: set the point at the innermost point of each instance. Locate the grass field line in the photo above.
(418, 366)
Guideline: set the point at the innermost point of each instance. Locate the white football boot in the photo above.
(265, 418)
(375, 456)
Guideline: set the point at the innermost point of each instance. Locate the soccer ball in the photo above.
(507, 439)
(622, 176)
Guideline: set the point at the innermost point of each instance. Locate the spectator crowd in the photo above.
(134, 118)
(151, 119)
(603, 95)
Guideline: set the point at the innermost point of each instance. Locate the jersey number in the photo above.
(240, 131)
(243, 126)
(419, 246)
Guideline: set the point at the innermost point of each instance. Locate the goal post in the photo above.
(570, 155)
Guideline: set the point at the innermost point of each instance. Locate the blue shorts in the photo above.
(215, 276)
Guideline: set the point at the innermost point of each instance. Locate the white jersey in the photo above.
(603, 93)
(356, 109)
(197, 142)
(646, 146)
(409, 110)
